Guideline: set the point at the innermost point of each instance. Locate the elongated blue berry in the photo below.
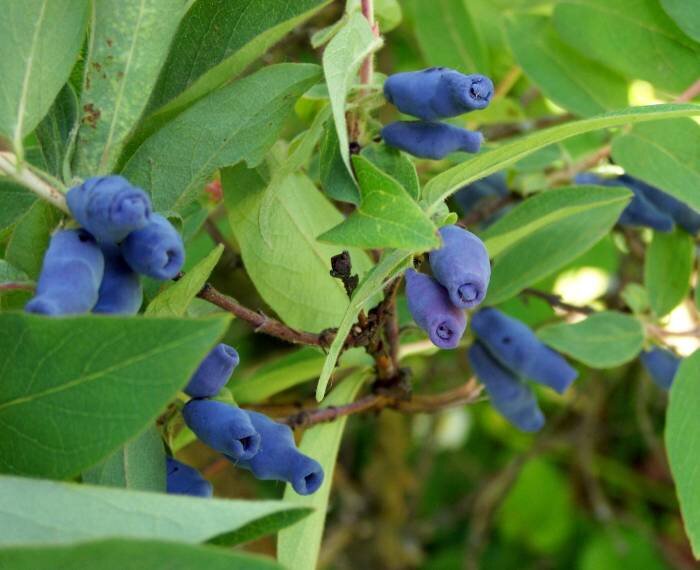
(640, 212)
(120, 292)
(213, 372)
(431, 140)
(155, 250)
(430, 306)
(683, 215)
(279, 459)
(109, 207)
(662, 365)
(223, 427)
(517, 347)
(70, 276)
(461, 266)
(182, 479)
(509, 395)
(438, 92)
(493, 185)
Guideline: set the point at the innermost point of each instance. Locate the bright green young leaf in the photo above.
(118, 554)
(545, 209)
(336, 180)
(393, 262)
(41, 512)
(138, 465)
(299, 545)
(237, 123)
(56, 131)
(15, 200)
(448, 35)
(74, 389)
(668, 266)
(642, 34)
(128, 44)
(682, 440)
(216, 41)
(441, 186)
(173, 302)
(37, 57)
(289, 266)
(396, 164)
(686, 15)
(568, 78)
(540, 253)
(31, 236)
(665, 154)
(602, 340)
(386, 217)
(341, 61)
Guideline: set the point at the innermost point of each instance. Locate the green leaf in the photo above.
(10, 274)
(449, 37)
(117, 554)
(545, 209)
(603, 340)
(15, 200)
(668, 267)
(341, 61)
(622, 548)
(299, 545)
(216, 41)
(236, 123)
(56, 130)
(686, 15)
(540, 253)
(129, 42)
(393, 262)
(682, 439)
(37, 58)
(138, 465)
(74, 389)
(30, 238)
(666, 155)
(642, 34)
(289, 267)
(396, 164)
(568, 78)
(441, 186)
(336, 180)
(37, 512)
(173, 302)
(386, 217)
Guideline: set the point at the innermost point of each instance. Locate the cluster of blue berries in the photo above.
(461, 271)
(96, 267)
(248, 439)
(649, 207)
(429, 95)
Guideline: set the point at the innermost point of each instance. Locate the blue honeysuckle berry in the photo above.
(109, 207)
(120, 292)
(662, 366)
(430, 306)
(640, 212)
(155, 250)
(213, 372)
(461, 266)
(430, 140)
(279, 459)
(182, 479)
(682, 215)
(438, 92)
(517, 347)
(509, 394)
(223, 427)
(493, 185)
(70, 275)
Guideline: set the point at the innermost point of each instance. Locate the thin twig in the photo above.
(16, 287)
(25, 177)
(555, 301)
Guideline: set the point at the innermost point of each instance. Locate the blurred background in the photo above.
(462, 488)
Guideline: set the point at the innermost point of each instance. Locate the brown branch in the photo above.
(689, 94)
(556, 301)
(16, 287)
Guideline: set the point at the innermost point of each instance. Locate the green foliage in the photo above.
(30, 238)
(602, 340)
(14, 201)
(75, 404)
(686, 15)
(56, 131)
(668, 267)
